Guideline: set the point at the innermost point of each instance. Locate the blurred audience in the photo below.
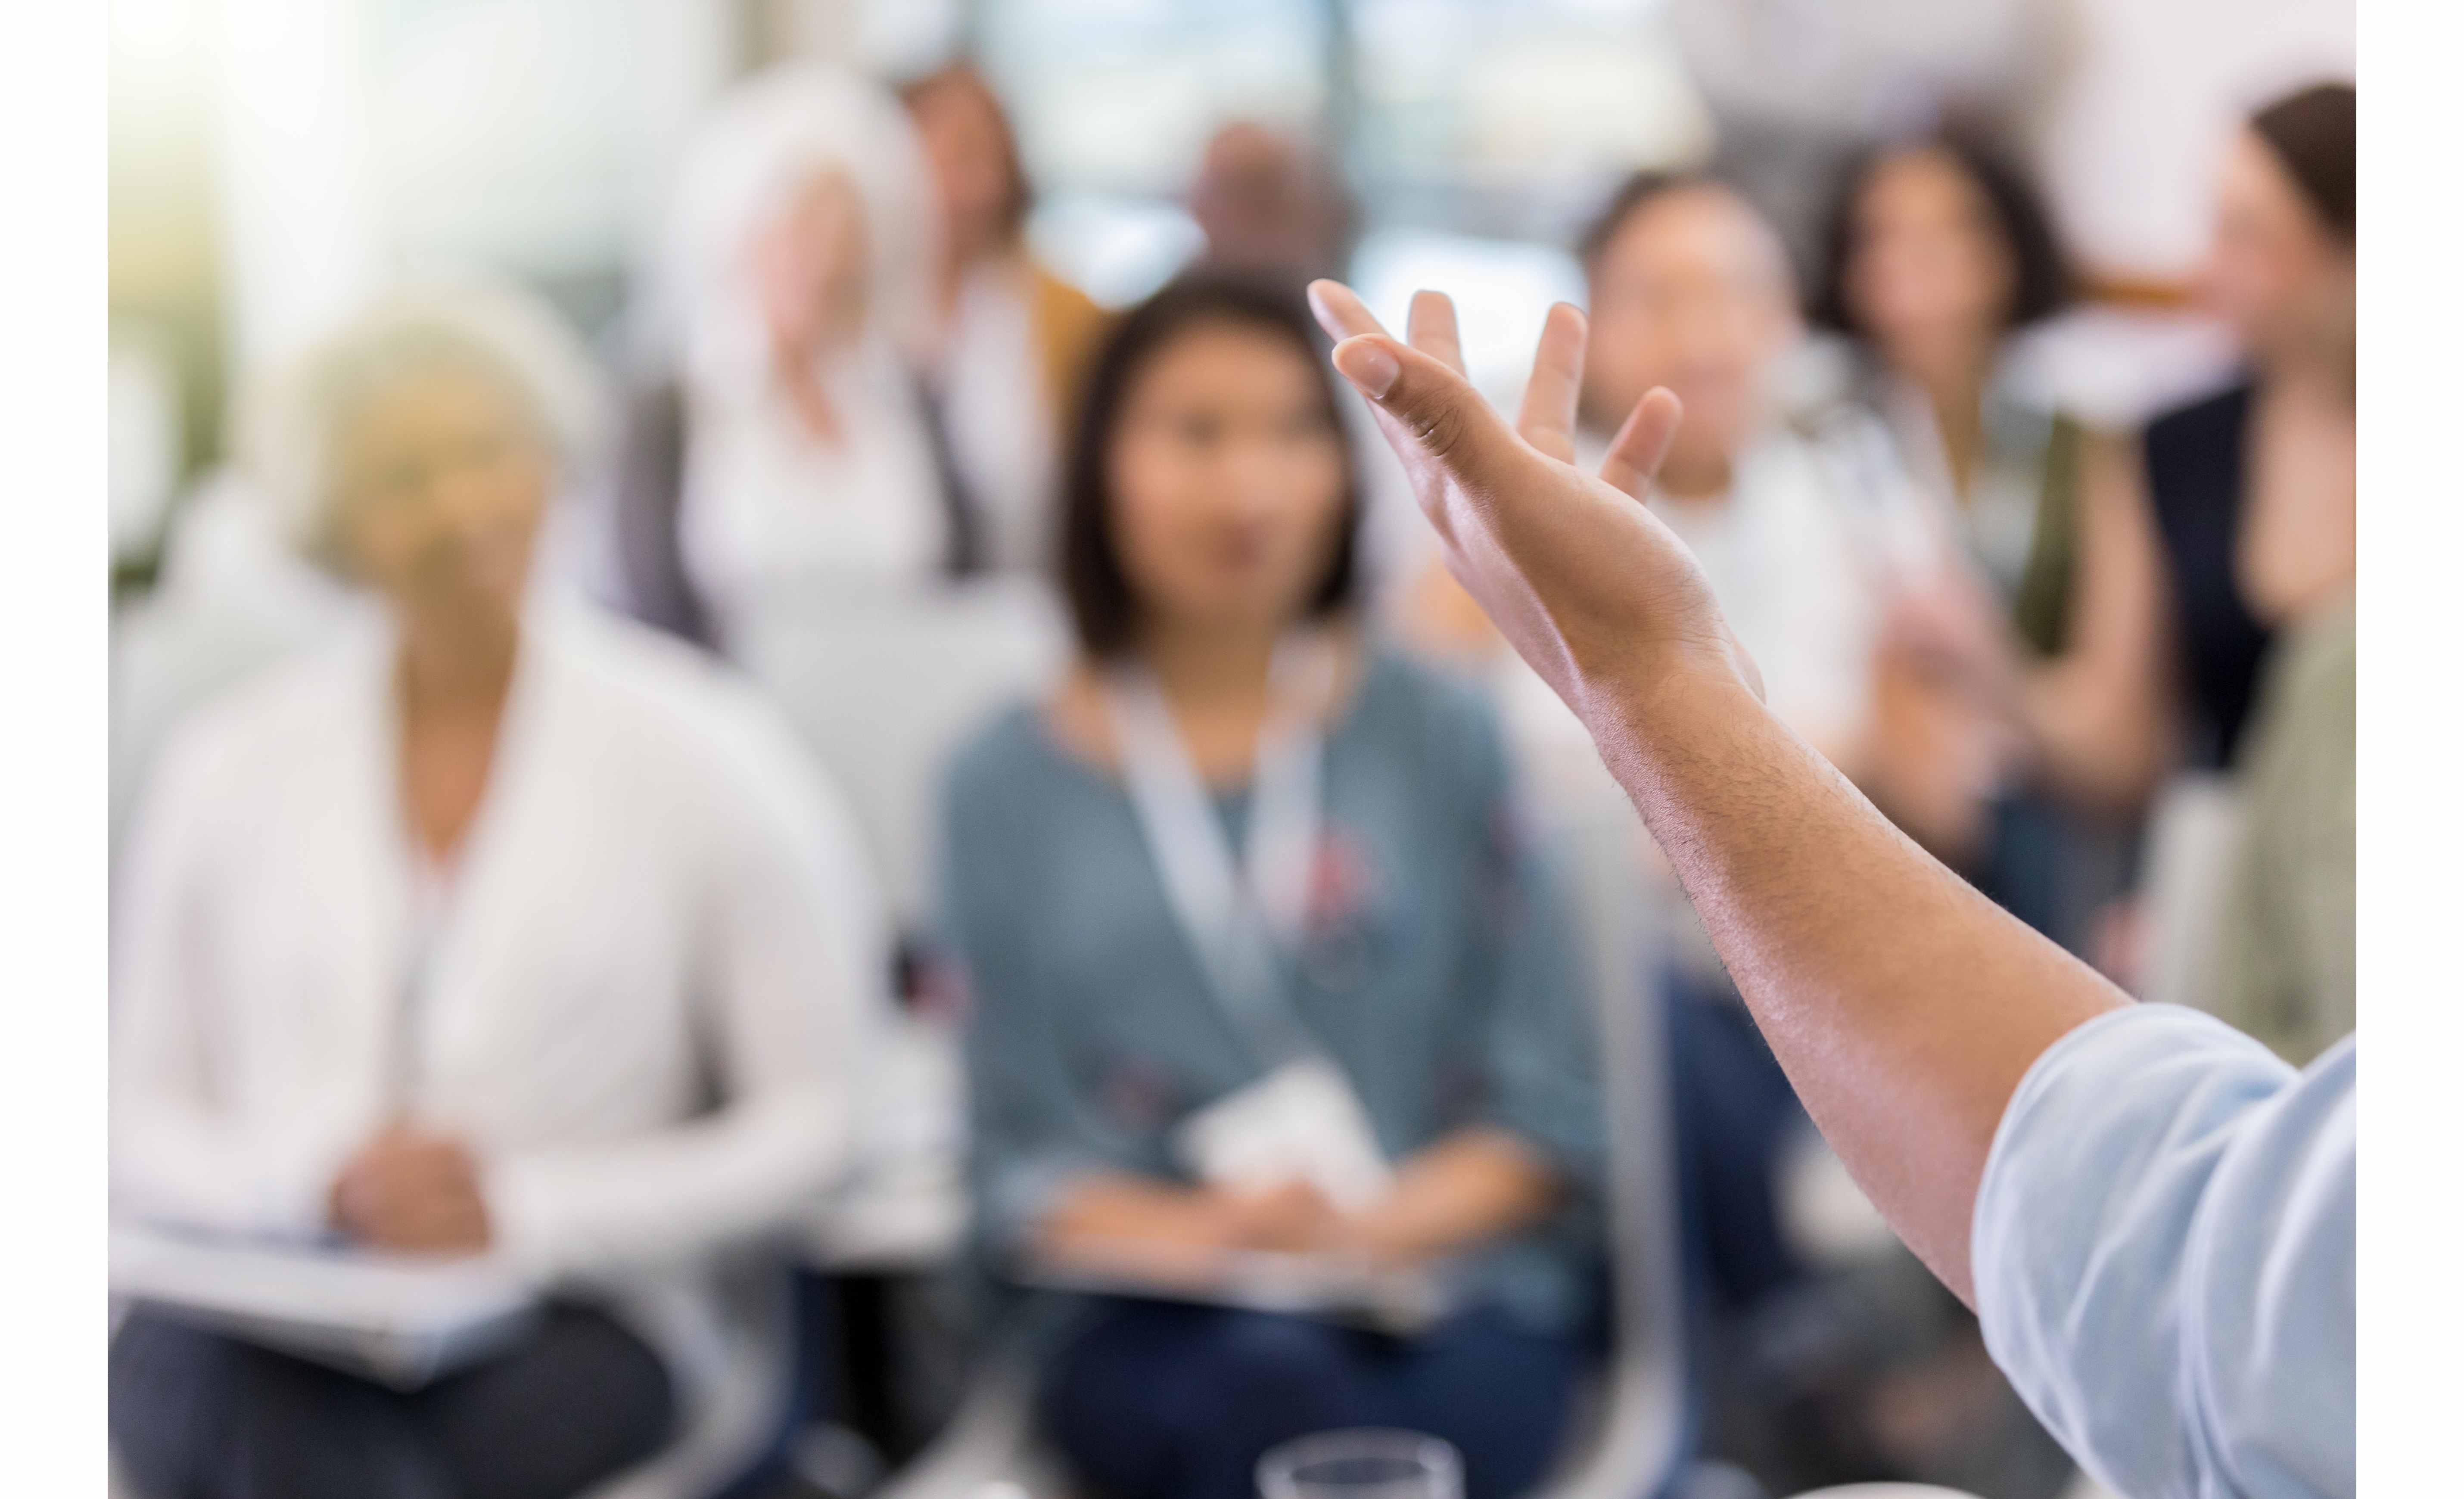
(1939, 260)
(1269, 203)
(2236, 512)
(2284, 953)
(2230, 522)
(1009, 339)
(802, 258)
(1390, 948)
(487, 927)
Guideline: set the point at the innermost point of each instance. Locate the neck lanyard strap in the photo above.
(1235, 912)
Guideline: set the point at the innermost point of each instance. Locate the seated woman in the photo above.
(798, 259)
(1942, 262)
(490, 927)
(1391, 935)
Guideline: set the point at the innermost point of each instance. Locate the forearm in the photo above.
(672, 1194)
(185, 1165)
(1902, 1005)
(1475, 1185)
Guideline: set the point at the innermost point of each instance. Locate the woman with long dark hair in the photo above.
(1260, 960)
(1940, 258)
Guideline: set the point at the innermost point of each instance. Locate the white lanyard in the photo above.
(1234, 911)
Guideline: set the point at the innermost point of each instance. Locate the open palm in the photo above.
(1584, 581)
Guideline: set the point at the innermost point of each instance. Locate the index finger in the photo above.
(1341, 312)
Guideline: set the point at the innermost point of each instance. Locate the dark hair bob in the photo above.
(1103, 608)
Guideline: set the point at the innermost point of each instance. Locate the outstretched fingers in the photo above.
(1641, 445)
(1430, 327)
(1546, 420)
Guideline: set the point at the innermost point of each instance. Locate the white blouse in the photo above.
(772, 511)
(644, 1002)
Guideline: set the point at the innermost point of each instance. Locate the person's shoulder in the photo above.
(1004, 757)
(632, 667)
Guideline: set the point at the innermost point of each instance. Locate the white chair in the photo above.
(884, 685)
(172, 651)
(1629, 1435)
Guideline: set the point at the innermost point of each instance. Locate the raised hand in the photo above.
(1583, 582)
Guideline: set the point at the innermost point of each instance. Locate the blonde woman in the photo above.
(493, 927)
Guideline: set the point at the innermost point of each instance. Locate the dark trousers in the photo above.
(1163, 1401)
(196, 1415)
(1734, 1111)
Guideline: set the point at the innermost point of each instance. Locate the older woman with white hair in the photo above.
(493, 926)
(798, 284)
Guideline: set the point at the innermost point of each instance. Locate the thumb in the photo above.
(1439, 413)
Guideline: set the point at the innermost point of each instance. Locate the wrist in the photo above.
(1646, 695)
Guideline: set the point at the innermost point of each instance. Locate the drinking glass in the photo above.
(1365, 1464)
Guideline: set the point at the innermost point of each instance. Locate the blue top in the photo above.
(1438, 971)
(2163, 1257)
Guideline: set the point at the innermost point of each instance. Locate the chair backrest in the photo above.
(885, 687)
(169, 654)
(1639, 1437)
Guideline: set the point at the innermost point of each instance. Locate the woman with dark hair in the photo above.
(1260, 960)
(1939, 255)
(1940, 259)
(2228, 528)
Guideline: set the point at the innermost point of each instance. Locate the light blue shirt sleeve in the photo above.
(2163, 1253)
